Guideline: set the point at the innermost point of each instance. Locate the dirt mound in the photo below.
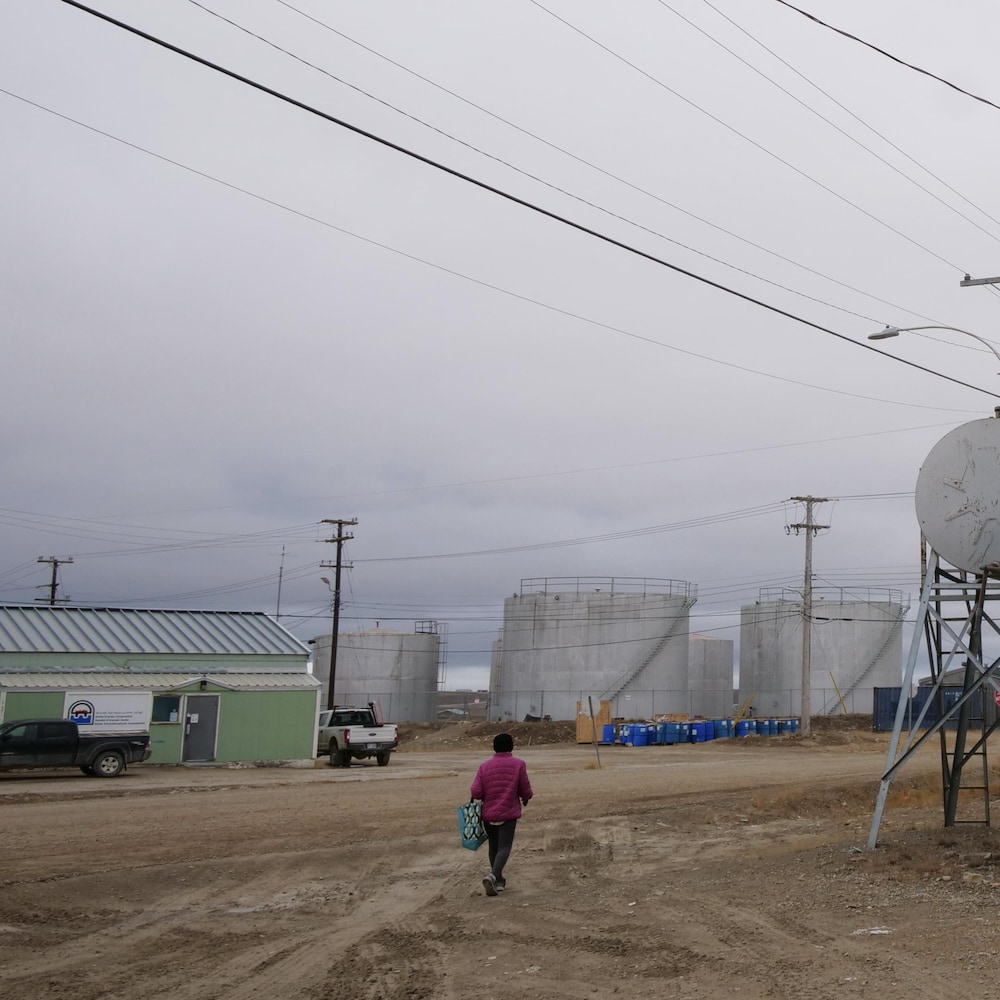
(439, 735)
(840, 723)
(835, 730)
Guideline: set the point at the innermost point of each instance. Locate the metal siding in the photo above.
(26, 629)
(60, 680)
(33, 705)
(266, 725)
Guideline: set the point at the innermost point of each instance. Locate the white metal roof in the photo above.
(55, 629)
(145, 680)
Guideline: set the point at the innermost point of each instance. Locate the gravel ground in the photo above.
(733, 868)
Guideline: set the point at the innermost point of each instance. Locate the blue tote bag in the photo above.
(470, 825)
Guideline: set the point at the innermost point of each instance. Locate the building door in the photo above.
(200, 726)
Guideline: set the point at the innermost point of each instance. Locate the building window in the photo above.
(166, 708)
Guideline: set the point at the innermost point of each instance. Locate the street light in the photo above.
(895, 331)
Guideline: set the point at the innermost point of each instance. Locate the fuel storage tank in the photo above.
(710, 676)
(398, 670)
(565, 639)
(855, 646)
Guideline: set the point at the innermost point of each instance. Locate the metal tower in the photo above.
(958, 506)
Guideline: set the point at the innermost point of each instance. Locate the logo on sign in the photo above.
(81, 712)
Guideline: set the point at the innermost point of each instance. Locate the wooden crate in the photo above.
(585, 728)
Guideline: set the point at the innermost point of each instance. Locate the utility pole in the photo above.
(337, 566)
(810, 528)
(281, 573)
(54, 582)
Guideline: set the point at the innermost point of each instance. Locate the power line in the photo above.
(889, 55)
(832, 124)
(612, 536)
(857, 118)
(599, 169)
(548, 184)
(357, 130)
(486, 284)
(741, 135)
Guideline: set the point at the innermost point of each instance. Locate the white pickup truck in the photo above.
(354, 733)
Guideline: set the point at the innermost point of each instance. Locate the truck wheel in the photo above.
(109, 764)
(338, 757)
(382, 757)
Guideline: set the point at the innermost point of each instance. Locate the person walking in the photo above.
(502, 784)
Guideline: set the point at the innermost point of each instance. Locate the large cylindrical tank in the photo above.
(565, 640)
(710, 676)
(855, 646)
(398, 670)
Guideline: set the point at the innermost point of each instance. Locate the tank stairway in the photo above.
(623, 682)
(896, 628)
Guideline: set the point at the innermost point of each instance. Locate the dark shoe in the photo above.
(501, 884)
(490, 885)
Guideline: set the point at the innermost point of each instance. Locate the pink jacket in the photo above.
(502, 783)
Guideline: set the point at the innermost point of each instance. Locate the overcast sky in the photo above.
(227, 318)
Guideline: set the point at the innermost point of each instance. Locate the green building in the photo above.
(211, 686)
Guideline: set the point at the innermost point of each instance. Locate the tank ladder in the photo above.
(630, 675)
(895, 628)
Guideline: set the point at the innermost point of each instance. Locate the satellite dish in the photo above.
(958, 495)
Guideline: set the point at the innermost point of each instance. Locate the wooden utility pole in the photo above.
(337, 566)
(54, 582)
(810, 528)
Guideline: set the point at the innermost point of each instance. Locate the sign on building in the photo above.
(109, 712)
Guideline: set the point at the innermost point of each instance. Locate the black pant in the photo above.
(501, 840)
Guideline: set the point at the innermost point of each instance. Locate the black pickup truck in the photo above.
(61, 743)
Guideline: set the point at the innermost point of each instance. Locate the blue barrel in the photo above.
(650, 734)
(785, 727)
(699, 731)
(608, 732)
(722, 727)
(669, 733)
(638, 734)
(771, 724)
(746, 727)
(794, 724)
(624, 733)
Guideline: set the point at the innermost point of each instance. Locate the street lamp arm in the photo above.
(894, 331)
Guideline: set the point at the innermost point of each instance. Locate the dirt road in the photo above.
(725, 869)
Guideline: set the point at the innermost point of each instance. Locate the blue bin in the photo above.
(651, 734)
(746, 727)
(785, 727)
(638, 734)
(608, 732)
(700, 731)
(669, 733)
(722, 727)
